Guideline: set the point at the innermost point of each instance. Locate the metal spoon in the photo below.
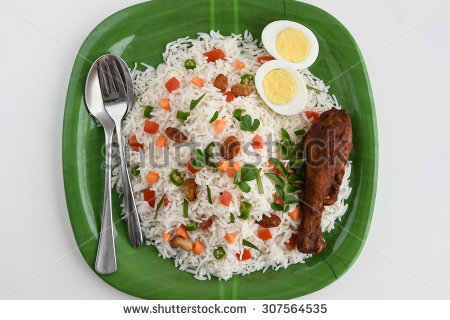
(116, 94)
(105, 262)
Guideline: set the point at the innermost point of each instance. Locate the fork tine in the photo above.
(102, 79)
(109, 76)
(118, 82)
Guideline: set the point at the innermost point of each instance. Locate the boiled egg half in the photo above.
(281, 87)
(291, 42)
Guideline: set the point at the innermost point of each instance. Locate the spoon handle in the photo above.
(134, 227)
(106, 253)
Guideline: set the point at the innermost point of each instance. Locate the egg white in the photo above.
(273, 29)
(293, 106)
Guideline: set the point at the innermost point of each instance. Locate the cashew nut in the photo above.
(180, 242)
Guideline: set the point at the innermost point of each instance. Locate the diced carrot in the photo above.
(292, 242)
(197, 249)
(245, 255)
(223, 165)
(134, 144)
(264, 59)
(230, 96)
(232, 171)
(205, 224)
(312, 115)
(230, 237)
(258, 142)
(150, 197)
(151, 127)
(160, 141)
(198, 82)
(190, 167)
(214, 55)
(219, 125)
(226, 198)
(166, 202)
(264, 234)
(295, 214)
(165, 103)
(152, 177)
(182, 232)
(166, 237)
(172, 84)
(239, 64)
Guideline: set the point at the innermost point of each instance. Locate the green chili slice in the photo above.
(135, 171)
(148, 112)
(247, 79)
(176, 178)
(192, 226)
(190, 64)
(219, 253)
(209, 150)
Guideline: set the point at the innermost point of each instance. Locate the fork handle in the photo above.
(105, 262)
(134, 227)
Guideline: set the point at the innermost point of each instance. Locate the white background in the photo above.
(406, 45)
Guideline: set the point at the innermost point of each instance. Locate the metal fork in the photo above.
(115, 101)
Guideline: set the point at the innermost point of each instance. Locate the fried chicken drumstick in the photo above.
(326, 147)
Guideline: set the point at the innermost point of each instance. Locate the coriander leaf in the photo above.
(195, 102)
(283, 149)
(249, 244)
(182, 115)
(259, 182)
(244, 186)
(290, 199)
(312, 88)
(299, 132)
(276, 206)
(248, 172)
(294, 178)
(200, 156)
(286, 209)
(209, 194)
(297, 147)
(275, 178)
(293, 189)
(236, 177)
(214, 117)
(285, 135)
(255, 125)
(297, 162)
(238, 114)
(246, 123)
(159, 205)
(280, 191)
(148, 112)
(213, 165)
(279, 166)
(232, 218)
(185, 208)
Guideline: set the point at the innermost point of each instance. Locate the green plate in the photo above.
(140, 33)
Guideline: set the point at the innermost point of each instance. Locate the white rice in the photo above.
(149, 87)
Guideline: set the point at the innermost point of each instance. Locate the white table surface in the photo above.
(406, 45)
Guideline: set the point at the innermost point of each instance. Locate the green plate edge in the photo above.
(140, 272)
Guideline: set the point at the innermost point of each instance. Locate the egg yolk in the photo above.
(279, 86)
(292, 45)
